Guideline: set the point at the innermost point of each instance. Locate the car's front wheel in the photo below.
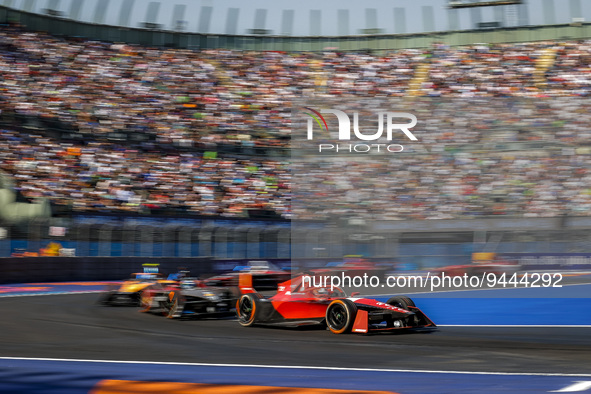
(401, 302)
(173, 306)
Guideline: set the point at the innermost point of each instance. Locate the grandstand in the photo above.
(114, 96)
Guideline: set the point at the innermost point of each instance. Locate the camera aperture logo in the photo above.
(344, 131)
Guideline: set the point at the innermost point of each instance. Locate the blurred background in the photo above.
(148, 130)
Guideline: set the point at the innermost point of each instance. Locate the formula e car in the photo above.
(189, 298)
(354, 265)
(129, 292)
(265, 275)
(479, 268)
(298, 304)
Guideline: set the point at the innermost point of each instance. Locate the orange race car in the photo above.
(129, 292)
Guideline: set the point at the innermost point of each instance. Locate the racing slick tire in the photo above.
(401, 302)
(173, 306)
(340, 316)
(246, 309)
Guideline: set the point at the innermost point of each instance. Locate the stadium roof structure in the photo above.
(306, 17)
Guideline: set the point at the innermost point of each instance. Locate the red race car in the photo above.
(496, 268)
(265, 275)
(354, 266)
(297, 304)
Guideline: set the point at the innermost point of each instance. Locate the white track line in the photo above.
(517, 325)
(299, 367)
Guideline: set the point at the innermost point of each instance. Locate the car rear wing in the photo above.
(150, 268)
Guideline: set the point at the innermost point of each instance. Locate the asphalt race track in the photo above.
(74, 327)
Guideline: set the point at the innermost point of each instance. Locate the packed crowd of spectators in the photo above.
(222, 96)
(509, 70)
(435, 186)
(105, 177)
(474, 95)
(212, 96)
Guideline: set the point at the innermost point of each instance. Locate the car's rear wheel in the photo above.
(401, 302)
(136, 298)
(340, 316)
(173, 306)
(246, 309)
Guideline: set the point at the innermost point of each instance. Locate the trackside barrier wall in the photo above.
(64, 269)
(152, 237)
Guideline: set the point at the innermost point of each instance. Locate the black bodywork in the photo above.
(190, 299)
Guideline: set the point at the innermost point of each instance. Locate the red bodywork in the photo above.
(265, 276)
(496, 268)
(297, 304)
(354, 267)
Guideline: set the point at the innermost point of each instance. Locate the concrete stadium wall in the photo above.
(12, 211)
